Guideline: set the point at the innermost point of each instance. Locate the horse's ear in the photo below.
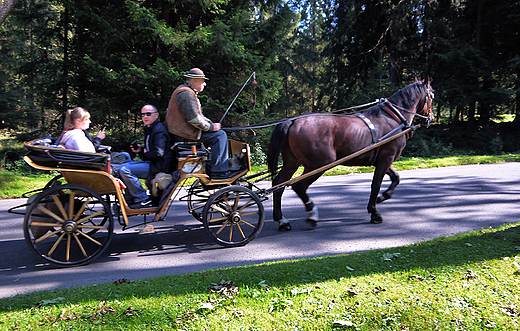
(427, 81)
(415, 80)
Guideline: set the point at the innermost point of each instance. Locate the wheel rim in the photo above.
(233, 216)
(68, 225)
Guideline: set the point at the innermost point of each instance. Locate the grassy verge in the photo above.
(466, 282)
(15, 184)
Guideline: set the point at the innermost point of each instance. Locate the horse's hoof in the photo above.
(311, 222)
(376, 219)
(383, 197)
(284, 227)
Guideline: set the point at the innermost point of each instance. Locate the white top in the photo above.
(75, 139)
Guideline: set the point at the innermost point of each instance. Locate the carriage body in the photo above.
(70, 221)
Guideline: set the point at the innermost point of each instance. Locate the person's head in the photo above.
(149, 114)
(77, 118)
(196, 79)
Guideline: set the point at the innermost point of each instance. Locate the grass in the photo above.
(13, 184)
(466, 282)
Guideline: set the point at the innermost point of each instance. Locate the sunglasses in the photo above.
(148, 114)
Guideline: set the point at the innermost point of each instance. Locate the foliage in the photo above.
(469, 282)
(114, 56)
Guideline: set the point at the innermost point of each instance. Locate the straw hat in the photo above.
(195, 73)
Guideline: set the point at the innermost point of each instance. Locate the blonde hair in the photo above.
(73, 115)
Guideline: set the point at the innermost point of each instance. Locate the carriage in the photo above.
(71, 223)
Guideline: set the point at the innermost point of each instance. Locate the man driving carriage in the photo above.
(185, 122)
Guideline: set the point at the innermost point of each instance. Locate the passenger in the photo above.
(156, 153)
(185, 120)
(75, 136)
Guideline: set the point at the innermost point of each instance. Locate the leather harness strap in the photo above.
(370, 126)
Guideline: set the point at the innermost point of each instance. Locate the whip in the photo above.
(254, 83)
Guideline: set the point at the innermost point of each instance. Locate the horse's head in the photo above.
(424, 108)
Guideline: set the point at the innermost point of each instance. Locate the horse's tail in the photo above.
(278, 138)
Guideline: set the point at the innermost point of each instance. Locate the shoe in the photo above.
(143, 204)
(225, 174)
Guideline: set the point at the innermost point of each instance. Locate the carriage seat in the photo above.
(45, 152)
(185, 149)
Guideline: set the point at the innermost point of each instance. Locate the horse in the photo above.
(318, 139)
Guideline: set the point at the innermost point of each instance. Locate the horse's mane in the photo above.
(405, 97)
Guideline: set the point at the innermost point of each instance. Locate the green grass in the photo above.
(13, 184)
(466, 282)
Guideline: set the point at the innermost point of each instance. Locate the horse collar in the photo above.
(396, 114)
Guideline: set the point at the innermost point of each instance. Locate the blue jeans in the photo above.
(130, 172)
(218, 141)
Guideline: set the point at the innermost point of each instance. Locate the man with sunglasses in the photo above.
(186, 122)
(156, 153)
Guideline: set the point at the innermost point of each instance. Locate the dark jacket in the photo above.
(158, 151)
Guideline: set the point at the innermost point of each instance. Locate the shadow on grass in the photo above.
(467, 248)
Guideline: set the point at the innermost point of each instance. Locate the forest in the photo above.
(114, 56)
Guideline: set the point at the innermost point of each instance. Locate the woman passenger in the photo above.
(75, 136)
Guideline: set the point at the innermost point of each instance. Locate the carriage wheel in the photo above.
(68, 224)
(233, 216)
(197, 198)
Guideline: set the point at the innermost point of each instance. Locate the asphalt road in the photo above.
(428, 203)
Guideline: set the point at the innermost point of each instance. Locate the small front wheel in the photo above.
(68, 224)
(233, 216)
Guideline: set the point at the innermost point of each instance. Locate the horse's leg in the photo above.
(379, 173)
(288, 169)
(394, 176)
(301, 190)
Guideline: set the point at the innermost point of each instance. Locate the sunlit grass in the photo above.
(465, 282)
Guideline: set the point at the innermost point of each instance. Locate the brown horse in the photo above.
(316, 140)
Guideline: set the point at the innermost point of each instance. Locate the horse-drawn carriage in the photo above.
(72, 223)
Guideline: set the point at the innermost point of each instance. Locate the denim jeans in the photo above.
(218, 142)
(130, 172)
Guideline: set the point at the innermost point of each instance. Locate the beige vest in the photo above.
(176, 123)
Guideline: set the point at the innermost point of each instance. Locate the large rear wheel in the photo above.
(233, 216)
(68, 224)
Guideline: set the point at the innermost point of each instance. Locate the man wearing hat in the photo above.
(184, 119)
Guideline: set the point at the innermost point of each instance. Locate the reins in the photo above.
(395, 108)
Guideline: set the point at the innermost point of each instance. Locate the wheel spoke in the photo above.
(99, 227)
(59, 205)
(80, 245)
(231, 232)
(90, 238)
(241, 232)
(88, 217)
(67, 255)
(71, 205)
(56, 244)
(51, 225)
(82, 209)
(223, 211)
(246, 205)
(223, 227)
(237, 200)
(51, 214)
(248, 224)
(47, 236)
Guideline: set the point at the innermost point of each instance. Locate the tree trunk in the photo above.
(5, 7)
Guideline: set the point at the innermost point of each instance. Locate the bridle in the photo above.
(427, 109)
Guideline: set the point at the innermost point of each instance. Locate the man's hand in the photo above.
(216, 126)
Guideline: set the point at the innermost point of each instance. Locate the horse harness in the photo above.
(394, 113)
